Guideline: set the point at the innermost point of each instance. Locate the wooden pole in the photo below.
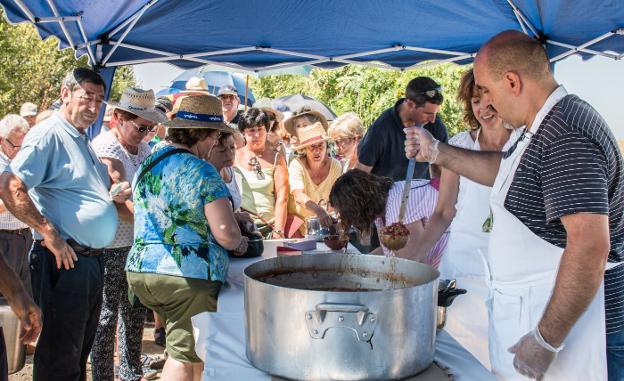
(246, 90)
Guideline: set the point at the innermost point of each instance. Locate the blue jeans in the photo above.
(615, 355)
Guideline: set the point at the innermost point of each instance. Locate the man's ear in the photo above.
(65, 94)
(513, 82)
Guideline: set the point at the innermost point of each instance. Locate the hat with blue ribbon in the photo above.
(198, 111)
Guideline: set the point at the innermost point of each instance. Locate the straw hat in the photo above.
(312, 134)
(290, 126)
(198, 111)
(196, 85)
(264, 104)
(140, 103)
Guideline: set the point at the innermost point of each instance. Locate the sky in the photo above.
(599, 81)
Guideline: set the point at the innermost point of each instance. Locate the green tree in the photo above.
(31, 70)
(366, 91)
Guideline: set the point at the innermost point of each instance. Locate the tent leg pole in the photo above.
(246, 90)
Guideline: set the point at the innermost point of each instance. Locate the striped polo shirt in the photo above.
(573, 165)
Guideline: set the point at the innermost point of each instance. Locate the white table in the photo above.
(220, 336)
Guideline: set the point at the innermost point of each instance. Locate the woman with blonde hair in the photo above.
(346, 132)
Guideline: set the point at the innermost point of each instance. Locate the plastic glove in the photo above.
(531, 358)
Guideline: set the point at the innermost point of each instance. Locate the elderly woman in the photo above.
(222, 157)
(346, 132)
(184, 226)
(263, 175)
(312, 176)
(464, 206)
(122, 149)
(362, 199)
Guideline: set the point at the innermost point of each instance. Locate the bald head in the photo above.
(515, 51)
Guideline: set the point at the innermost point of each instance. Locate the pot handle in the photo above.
(355, 317)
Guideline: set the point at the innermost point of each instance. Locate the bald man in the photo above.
(558, 204)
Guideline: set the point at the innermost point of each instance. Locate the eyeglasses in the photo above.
(433, 92)
(142, 128)
(13, 146)
(254, 163)
(343, 141)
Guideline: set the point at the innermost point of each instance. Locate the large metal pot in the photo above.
(11, 327)
(340, 316)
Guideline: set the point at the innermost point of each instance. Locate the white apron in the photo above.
(523, 271)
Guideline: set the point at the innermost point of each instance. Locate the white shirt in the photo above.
(7, 220)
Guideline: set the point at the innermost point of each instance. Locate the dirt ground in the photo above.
(149, 348)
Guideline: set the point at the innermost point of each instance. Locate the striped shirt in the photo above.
(420, 206)
(573, 165)
(7, 220)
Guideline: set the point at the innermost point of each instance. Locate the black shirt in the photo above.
(383, 145)
(573, 165)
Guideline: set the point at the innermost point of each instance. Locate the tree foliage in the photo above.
(31, 70)
(366, 91)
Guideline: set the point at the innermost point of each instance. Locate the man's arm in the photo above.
(16, 199)
(581, 272)
(21, 303)
(478, 166)
(118, 175)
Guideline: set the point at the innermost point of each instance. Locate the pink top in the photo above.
(420, 206)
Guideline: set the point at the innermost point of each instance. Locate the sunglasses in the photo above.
(433, 92)
(254, 163)
(142, 128)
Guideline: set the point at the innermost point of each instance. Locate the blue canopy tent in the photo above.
(261, 35)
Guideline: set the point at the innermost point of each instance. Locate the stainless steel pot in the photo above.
(340, 316)
(11, 327)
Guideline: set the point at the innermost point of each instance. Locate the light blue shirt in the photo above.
(67, 182)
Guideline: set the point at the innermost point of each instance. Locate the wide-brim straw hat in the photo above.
(312, 134)
(290, 125)
(140, 103)
(199, 111)
(196, 85)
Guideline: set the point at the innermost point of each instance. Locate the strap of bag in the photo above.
(158, 160)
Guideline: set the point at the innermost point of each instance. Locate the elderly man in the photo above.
(558, 207)
(57, 186)
(29, 112)
(15, 236)
(381, 149)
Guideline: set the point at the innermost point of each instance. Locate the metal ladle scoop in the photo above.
(397, 242)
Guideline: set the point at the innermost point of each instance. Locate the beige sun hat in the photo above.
(196, 85)
(290, 125)
(312, 134)
(264, 104)
(140, 103)
(28, 109)
(199, 111)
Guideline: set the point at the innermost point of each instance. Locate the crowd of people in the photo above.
(95, 234)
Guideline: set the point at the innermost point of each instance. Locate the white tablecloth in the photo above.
(220, 336)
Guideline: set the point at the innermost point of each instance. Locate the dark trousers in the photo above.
(4, 366)
(70, 301)
(14, 248)
(615, 355)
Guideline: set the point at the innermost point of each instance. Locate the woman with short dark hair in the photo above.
(263, 175)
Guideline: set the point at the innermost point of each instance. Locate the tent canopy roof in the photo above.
(264, 34)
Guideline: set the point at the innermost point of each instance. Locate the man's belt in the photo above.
(22, 232)
(81, 249)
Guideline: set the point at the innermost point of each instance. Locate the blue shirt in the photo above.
(67, 182)
(171, 233)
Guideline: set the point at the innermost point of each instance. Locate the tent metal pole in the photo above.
(131, 18)
(41, 20)
(519, 13)
(125, 33)
(191, 55)
(86, 40)
(520, 22)
(25, 10)
(584, 50)
(438, 62)
(427, 50)
(90, 43)
(582, 46)
(62, 24)
(370, 53)
(289, 53)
